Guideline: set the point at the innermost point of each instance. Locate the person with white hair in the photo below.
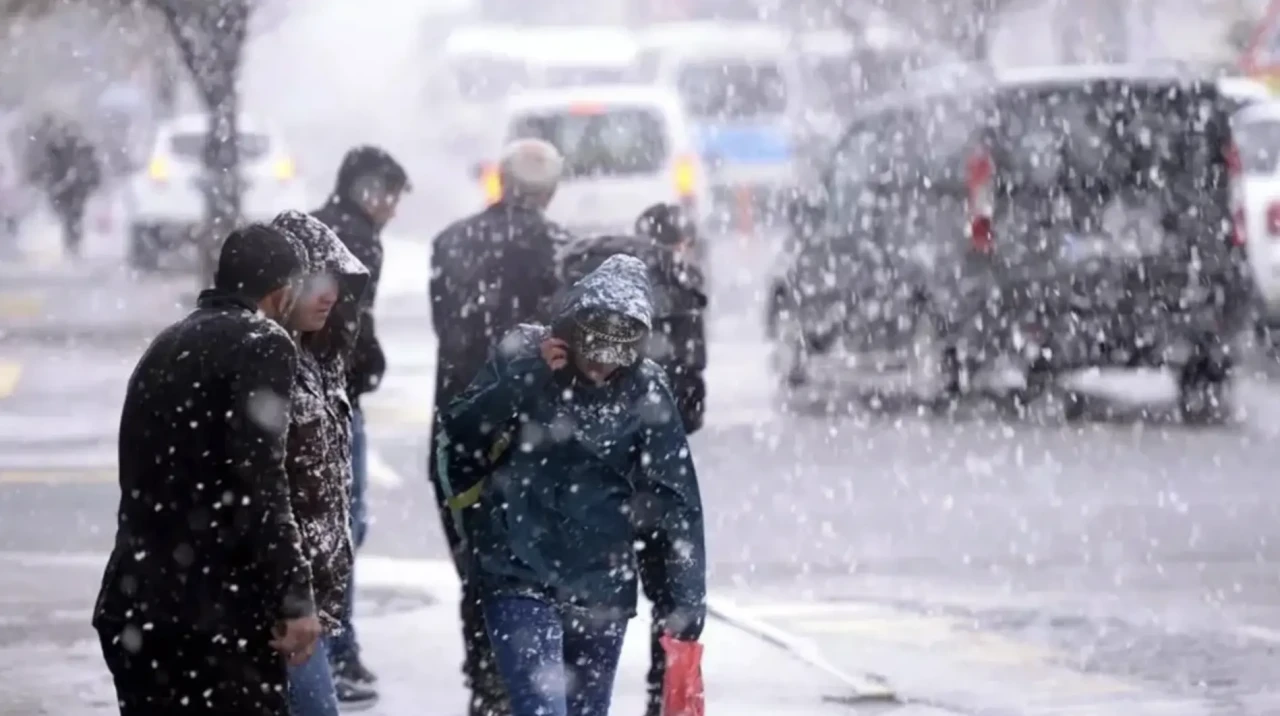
(529, 172)
(490, 273)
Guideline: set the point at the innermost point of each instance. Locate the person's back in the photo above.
(208, 562)
(489, 272)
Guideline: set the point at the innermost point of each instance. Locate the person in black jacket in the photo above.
(489, 273)
(207, 591)
(365, 196)
(664, 241)
(69, 169)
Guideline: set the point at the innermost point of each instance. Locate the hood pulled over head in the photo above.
(324, 254)
(608, 313)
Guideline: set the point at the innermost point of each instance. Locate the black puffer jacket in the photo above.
(319, 444)
(678, 341)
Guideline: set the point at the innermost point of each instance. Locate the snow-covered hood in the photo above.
(323, 252)
(620, 284)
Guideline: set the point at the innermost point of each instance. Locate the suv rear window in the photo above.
(1133, 166)
(611, 142)
(488, 80)
(1259, 144)
(732, 90)
(253, 147)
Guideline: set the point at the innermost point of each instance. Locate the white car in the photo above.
(165, 202)
(625, 148)
(1257, 133)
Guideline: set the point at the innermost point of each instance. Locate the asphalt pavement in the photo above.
(977, 564)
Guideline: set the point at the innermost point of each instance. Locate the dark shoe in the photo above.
(354, 697)
(354, 672)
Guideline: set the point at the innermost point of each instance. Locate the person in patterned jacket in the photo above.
(325, 322)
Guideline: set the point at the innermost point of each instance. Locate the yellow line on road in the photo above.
(10, 374)
(20, 305)
(87, 476)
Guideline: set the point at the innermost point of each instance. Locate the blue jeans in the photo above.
(311, 691)
(344, 647)
(554, 662)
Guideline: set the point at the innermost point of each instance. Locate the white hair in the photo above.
(530, 168)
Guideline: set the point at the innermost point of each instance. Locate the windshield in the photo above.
(489, 80)
(577, 76)
(613, 142)
(732, 90)
(1259, 144)
(191, 146)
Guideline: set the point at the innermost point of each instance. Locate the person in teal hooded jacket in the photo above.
(563, 448)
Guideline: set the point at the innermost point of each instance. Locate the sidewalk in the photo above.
(50, 664)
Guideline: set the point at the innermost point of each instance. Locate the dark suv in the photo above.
(1061, 219)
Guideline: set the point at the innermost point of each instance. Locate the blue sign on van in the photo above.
(744, 144)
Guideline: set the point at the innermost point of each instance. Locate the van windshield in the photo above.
(732, 90)
(600, 141)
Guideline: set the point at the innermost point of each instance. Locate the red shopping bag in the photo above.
(682, 693)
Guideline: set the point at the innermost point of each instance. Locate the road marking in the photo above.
(380, 471)
(1043, 670)
(20, 305)
(55, 476)
(10, 374)
(398, 414)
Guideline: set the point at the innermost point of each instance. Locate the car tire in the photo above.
(1204, 393)
(144, 248)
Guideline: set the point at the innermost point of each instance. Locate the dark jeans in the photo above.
(164, 671)
(652, 565)
(71, 212)
(345, 646)
(554, 662)
(479, 668)
(311, 689)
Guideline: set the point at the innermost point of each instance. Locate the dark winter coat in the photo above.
(678, 342)
(588, 466)
(206, 536)
(319, 445)
(489, 273)
(363, 238)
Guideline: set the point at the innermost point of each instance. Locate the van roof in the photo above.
(546, 45)
(714, 39)
(659, 98)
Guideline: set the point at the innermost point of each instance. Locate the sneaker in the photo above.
(354, 697)
(355, 672)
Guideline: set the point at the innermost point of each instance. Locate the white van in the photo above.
(483, 65)
(625, 148)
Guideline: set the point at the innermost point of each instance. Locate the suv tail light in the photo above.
(491, 183)
(685, 176)
(158, 169)
(1235, 183)
(980, 176)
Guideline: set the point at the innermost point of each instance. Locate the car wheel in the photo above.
(144, 248)
(1204, 393)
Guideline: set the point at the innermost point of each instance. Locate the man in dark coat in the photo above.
(663, 240)
(489, 273)
(69, 169)
(207, 590)
(365, 196)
